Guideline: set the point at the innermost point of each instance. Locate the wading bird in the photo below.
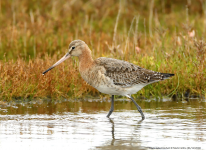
(111, 76)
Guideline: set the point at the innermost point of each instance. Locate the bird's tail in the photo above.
(167, 75)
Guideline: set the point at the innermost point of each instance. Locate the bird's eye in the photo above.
(73, 47)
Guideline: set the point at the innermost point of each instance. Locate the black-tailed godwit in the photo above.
(111, 76)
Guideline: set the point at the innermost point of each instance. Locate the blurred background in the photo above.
(166, 36)
(31, 28)
(60, 110)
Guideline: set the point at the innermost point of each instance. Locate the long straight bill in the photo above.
(57, 63)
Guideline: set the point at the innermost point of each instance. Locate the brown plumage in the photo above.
(124, 73)
(111, 76)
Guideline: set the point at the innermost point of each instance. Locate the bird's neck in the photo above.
(85, 60)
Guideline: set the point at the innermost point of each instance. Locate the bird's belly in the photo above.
(134, 88)
(116, 90)
(109, 90)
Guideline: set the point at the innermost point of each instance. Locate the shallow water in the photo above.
(82, 124)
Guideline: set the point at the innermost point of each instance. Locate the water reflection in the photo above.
(82, 124)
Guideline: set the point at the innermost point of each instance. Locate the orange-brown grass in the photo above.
(24, 79)
(21, 79)
(164, 36)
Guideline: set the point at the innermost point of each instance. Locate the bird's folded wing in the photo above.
(124, 73)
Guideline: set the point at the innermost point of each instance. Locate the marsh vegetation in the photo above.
(165, 36)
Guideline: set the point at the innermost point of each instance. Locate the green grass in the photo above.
(35, 34)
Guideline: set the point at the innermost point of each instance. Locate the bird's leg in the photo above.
(138, 107)
(112, 106)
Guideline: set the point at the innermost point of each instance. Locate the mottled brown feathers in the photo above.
(111, 72)
(126, 74)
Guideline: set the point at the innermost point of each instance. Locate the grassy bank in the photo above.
(159, 35)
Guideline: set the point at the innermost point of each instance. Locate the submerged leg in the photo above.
(138, 107)
(112, 106)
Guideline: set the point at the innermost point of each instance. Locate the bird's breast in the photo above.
(94, 76)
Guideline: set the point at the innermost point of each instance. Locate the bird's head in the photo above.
(76, 48)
